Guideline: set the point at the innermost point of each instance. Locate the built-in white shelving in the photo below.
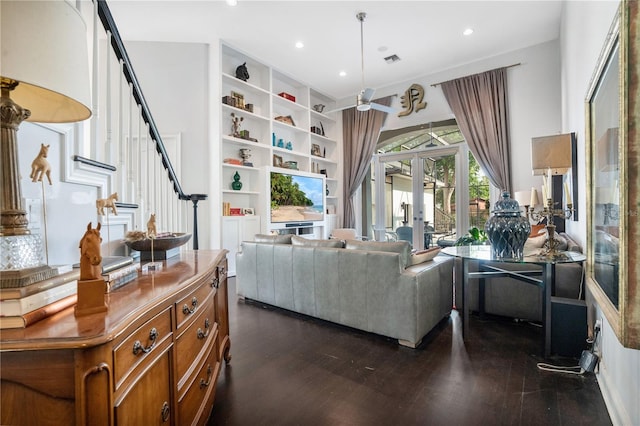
(289, 131)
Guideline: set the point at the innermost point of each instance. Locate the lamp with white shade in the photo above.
(44, 77)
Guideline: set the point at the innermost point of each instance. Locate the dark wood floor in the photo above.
(289, 369)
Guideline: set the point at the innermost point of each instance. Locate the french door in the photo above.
(418, 191)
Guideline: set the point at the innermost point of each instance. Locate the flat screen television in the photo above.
(296, 197)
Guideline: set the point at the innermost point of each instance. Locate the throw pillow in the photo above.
(536, 230)
(274, 239)
(424, 255)
(304, 242)
(403, 248)
(535, 242)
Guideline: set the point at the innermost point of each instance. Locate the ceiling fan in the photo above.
(363, 100)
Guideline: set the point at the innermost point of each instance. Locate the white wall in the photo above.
(65, 203)
(584, 29)
(534, 101)
(175, 81)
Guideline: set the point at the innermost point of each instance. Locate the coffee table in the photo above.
(544, 279)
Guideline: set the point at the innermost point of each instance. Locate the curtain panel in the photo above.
(360, 131)
(480, 105)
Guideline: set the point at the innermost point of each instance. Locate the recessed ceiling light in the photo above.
(299, 44)
(342, 73)
(382, 49)
(232, 2)
(468, 31)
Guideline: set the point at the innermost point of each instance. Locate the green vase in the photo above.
(236, 184)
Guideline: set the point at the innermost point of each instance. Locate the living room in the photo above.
(547, 95)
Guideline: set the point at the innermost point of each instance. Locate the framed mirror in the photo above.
(612, 179)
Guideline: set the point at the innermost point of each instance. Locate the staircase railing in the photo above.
(120, 53)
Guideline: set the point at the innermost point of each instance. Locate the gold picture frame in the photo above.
(277, 161)
(613, 195)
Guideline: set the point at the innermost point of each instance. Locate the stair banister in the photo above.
(121, 54)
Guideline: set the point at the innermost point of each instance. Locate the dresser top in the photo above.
(134, 301)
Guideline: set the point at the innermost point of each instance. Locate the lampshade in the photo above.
(551, 152)
(44, 49)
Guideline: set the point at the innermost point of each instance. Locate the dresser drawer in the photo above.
(195, 341)
(140, 345)
(188, 306)
(198, 399)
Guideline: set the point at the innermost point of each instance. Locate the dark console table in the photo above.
(544, 279)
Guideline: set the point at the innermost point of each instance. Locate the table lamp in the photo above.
(44, 77)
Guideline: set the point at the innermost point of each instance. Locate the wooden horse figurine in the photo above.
(40, 166)
(109, 202)
(151, 226)
(90, 257)
(91, 285)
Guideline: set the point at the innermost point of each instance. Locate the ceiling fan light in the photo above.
(363, 107)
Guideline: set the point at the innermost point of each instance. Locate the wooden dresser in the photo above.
(152, 358)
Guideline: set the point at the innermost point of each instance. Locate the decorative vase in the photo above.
(236, 184)
(507, 229)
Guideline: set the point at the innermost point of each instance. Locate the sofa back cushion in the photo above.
(274, 239)
(304, 242)
(403, 248)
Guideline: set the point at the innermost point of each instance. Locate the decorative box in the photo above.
(287, 96)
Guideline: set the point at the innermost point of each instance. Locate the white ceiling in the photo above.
(426, 35)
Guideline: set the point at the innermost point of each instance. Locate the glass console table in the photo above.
(544, 279)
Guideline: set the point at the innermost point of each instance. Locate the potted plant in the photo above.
(475, 236)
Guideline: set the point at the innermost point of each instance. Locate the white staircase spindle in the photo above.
(130, 194)
(121, 148)
(108, 156)
(95, 89)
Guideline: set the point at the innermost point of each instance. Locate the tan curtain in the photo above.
(480, 105)
(360, 131)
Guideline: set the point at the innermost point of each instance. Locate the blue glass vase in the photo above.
(507, 229)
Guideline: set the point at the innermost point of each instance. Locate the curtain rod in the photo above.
(508, 66)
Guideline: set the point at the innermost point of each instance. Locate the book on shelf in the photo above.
(226, 207)
(235, 211)
(120, 272)
(38, 286)
(12, 307)
(120, 281)
(22, 321)
(24, 277)
(109, 263)
(121, 276)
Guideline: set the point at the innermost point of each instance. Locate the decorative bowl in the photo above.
(162, 246)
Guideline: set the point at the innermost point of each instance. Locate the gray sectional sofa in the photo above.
(371, 286)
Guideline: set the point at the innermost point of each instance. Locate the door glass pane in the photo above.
(478, 195)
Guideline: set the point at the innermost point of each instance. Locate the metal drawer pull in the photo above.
(215, 282)
(204, 384)
(202, 334)
(137, 346)
(194, 303)
(165, 412)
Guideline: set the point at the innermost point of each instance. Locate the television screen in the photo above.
(296, 197)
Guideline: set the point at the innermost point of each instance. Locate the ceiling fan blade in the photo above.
(367, 94)
(339, 109)
(383, 108)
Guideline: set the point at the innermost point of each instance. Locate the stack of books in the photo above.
(118, 271)
(21, 306)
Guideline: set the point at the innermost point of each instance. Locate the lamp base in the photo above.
(20, 251)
